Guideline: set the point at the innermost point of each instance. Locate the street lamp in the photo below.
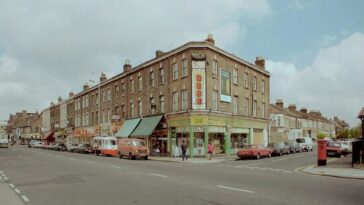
(361, 117)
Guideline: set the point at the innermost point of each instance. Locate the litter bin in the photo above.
(356, 151)
(321, 152)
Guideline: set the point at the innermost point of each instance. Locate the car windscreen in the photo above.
(300, 140)
(137, 143)
(249, 146)
(333, 144)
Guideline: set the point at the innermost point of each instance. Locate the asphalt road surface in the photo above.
(46, 177)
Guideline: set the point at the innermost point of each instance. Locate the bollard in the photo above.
(321, 152)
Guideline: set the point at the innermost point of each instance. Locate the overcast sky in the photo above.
(314, 49)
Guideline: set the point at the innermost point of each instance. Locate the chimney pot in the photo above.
(71, 94)
(159, 53)
(279, 103)
(103, 77)
(86, 87)
(260, 62)
(210, 39)
(127, 65)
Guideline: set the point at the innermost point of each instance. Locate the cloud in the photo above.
(48, 48)
(333, 83)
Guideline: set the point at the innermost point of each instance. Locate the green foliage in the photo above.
(355, 132)
(320, 136)
(344, 133)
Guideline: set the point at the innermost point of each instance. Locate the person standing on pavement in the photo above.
(210, 150)
(184, 149)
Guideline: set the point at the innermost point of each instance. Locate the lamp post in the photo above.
(361, 117)
(99, 104)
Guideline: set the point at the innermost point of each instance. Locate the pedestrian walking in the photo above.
(210, 150)
(184, 149)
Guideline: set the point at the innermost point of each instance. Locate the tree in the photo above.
(344, 133)
(355, 132)
(320, 136)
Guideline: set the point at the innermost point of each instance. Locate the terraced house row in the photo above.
(289, 123)
(195, 93)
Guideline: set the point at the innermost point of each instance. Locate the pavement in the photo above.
(215, 159)
(47, 177)
(335, 167)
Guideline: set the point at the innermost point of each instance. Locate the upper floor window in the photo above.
(108, 94)
(131, 109)
(174, 71)
(161, 101)
(236, 104)
(161, 75)
(116, 91)
(184, 68)
(184, 99)
(263, 110)
(140, 83)
(254, 108)
(123, 88)
(214, 99)
(246, 79)
(263, 86)
(235, 76)
(131, 86)
(214, 68)
(254, 83)
(140, 108)
(86, 101)
(246, 106)
(104, 96)
(151, 78)
(153, 106)
(175, 102)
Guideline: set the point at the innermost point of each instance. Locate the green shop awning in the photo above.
(146, 126)
(128, 127)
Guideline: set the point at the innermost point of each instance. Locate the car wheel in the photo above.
(130, 156)
(258, 156)
(146, 158)
(120, 156)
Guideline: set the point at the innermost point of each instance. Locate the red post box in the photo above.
(321, 152)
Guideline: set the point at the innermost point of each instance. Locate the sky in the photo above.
(313, 49)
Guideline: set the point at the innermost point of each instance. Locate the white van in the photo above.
(305, 143)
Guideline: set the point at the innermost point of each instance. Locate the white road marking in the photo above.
(5, 178)
(236, 189)
(71, 158)
(1, 172)
(254, 164)
(90, 162)
(287, 171)
(25, 198)
(158, 175)
(17, 191)
(12, 185)
(279, 159)
(116, 167)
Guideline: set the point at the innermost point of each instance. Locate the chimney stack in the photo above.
(260, 62)
(159, 53)
(103, 77)
(210, 39)
(59, 99)
(292, 107)
(85, 87)
(127, 65)
(303, 110)
(70, 94)
(279, 103)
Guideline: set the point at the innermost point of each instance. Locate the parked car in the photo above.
(293, 146)
(60, 147)
(346, 147)
(133, 149)
(71, 147)
(32, 143)
(38, 144)
(254, 150)
(83, 148)
(305, 143)
(45, 146)
(279, 148)
(333, 149)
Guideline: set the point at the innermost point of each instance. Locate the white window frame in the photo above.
(184, 68)
(174, 71)
(175, 102)
(214, 99)
(161, 76)
(184, 99)
(236, 105)
(215, 69)
(235, 76)
(161, 102)
(140, 83)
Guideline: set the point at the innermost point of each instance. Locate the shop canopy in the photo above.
(146, 126)
(128, 127)
(49, 137)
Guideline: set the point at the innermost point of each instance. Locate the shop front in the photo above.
(227, 134)
(84, 135)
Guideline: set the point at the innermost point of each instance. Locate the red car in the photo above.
(333, 149)
(254, 150)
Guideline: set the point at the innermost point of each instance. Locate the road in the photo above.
(46, 177)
